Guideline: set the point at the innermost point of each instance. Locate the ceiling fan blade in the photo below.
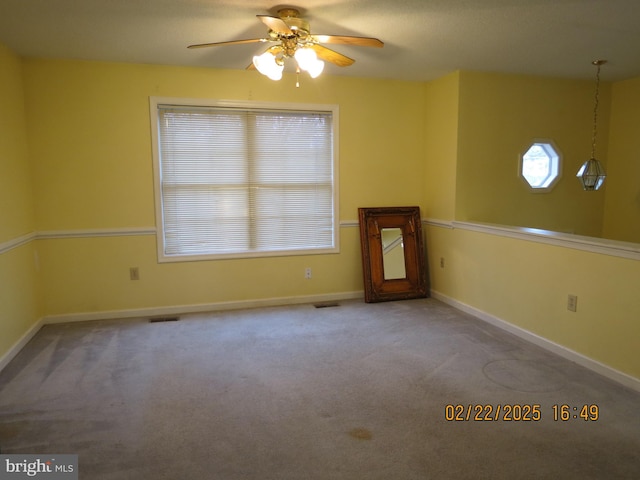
(330, 56)
(232, 42)
(347, 40)
(276, 24)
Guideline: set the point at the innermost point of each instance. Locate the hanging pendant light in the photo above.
(591, 173)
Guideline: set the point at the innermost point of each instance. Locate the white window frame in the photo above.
(556, 165)
(156, 102)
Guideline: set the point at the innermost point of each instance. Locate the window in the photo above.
(540, 166)
(244, 179)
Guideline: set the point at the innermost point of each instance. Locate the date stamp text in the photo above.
(519, 412)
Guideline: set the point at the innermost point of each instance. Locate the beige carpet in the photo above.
(357, 391)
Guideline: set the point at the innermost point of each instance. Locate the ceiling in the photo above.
(424, 39)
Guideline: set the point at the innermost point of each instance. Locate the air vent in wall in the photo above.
(326, 305)
(163, 319)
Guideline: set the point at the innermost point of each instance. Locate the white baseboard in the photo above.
(199, 308)
(19, 345)
(600, 368)
(174, 310)
(593, 365)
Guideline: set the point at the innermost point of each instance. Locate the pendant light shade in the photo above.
(591, 174)
(268, 65)
(308, 61)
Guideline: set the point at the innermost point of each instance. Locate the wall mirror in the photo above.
(392, 253)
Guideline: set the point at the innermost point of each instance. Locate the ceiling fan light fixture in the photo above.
(316, 69)
(305, 57)
(268, 65)
(294, 40)
(276, 75)
(308, 61)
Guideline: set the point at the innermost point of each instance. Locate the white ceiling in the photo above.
(424, 39)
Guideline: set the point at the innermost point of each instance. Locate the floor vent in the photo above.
(163, 319)
(326, 305)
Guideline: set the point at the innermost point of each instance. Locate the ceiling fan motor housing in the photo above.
(298, 26)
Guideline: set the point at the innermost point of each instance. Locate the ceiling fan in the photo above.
(292, 38)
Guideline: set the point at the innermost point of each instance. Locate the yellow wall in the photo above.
(89, 134)
(622, 205)
(401, 143)
(441, 147)
(18, 288)
(500, 117)
(527, 284)
(16, 212)
(521, 282)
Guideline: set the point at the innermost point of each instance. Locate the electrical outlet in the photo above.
(134, 273)
(307, 273)
(572, 303)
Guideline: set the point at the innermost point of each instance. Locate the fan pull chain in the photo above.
(297, 77)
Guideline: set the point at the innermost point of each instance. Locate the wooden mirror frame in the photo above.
(376, 287)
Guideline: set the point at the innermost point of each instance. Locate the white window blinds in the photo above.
(243, 181)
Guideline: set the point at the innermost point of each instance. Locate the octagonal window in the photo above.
(540, 165)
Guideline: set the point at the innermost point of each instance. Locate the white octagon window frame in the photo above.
(549, 171)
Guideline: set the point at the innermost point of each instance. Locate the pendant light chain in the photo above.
(598, 63)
